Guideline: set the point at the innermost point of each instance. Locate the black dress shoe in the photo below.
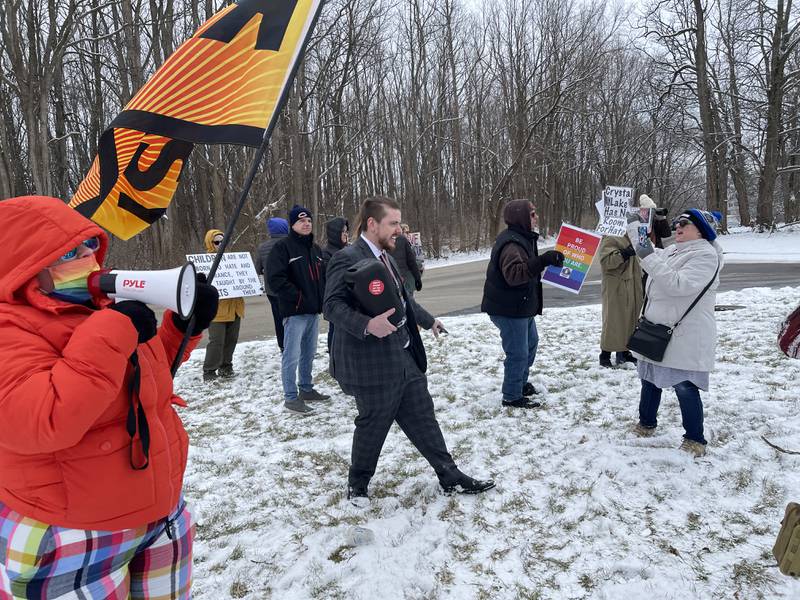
(455, 482)
(357, 494)
(529, 390)
(522, 403)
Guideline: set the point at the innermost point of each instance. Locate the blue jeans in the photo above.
(520, 339)
(689, 401)
(299, 346)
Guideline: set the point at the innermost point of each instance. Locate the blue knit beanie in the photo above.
(277, 226)
(297, 213)
(703, 221)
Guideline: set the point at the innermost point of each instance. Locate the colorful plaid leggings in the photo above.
(39, 561)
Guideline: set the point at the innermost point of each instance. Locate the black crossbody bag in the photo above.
(651, 339)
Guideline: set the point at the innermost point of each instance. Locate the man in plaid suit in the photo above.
(383, 366)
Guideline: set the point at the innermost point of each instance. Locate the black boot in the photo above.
(623, 357)
(454, 481)
(605, 359)
(529, 390)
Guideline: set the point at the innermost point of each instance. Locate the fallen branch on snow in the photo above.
(778, 448)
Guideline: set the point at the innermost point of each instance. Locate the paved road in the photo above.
(457, 290)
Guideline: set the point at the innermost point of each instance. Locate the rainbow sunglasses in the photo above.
(92, 244)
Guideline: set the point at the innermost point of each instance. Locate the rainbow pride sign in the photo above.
(578, 247)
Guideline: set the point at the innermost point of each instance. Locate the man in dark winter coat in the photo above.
(383, 365)
(296, 276)
(512, 297)
(338, 234)
(277, 228)
(406, 260)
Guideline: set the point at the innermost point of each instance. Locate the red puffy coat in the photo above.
(64, 389)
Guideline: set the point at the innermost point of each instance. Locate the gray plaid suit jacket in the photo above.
(362, 360)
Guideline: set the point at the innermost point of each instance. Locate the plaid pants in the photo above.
(411, 406)
(40, 561)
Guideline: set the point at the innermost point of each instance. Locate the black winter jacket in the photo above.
(296, 275)
(502, 299)
(333, 231)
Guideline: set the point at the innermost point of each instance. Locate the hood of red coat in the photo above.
(37, 230)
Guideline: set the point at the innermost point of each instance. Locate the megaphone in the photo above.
(171, 288)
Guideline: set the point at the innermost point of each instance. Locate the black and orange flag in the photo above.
(222, 86)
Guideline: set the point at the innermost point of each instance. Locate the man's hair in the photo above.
(375, 207)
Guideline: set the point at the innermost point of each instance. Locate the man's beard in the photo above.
(388, 243)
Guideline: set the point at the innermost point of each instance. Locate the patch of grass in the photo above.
(239, 589)
(341, 554)
(749, 577)
(452, 510)
(445, 575)
(586, 582)
(771, 497)
(237, 554)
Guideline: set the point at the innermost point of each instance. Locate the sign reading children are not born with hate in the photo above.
(578, 247)
(235, 277)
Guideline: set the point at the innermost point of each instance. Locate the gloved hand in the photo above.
(140, 315)
(418, 284)
(205, 307)
(640, 242)
(627, 252)
(552, 258)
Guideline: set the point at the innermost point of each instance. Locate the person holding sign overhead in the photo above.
(223, 333)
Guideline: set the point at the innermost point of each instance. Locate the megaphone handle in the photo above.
(176, 363)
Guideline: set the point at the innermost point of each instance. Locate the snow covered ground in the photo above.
(740, 246)
(744, 246)
(582, 508)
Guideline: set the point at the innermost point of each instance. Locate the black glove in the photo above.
(140, 315)
(627, 252)
(418, 284)
(552, 258)
(205, 307)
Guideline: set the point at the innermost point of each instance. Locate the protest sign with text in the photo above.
(578, 247)
(616, 204)
(236, 275)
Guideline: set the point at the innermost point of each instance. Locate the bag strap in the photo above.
(693, 304)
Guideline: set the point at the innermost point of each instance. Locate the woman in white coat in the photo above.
(677, 275)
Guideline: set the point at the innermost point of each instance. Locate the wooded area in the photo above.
(450, 106)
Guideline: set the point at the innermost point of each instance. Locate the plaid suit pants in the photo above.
(40, 561)
(411, 405)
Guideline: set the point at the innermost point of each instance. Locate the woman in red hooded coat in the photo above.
(92, 452)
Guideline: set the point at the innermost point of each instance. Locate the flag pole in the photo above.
(248, 182)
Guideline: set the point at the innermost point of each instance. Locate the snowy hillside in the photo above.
(582, 509)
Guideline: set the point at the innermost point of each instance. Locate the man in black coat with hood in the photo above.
(512, 297)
